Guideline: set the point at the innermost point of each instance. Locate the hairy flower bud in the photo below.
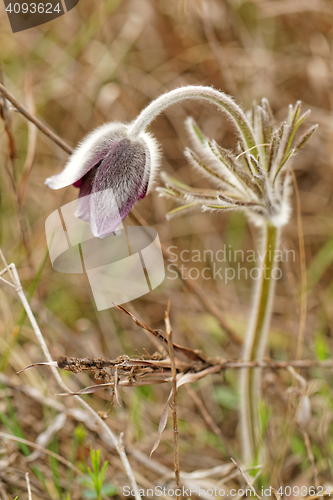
(112, 171)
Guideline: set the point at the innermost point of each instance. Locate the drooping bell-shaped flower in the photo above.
(114, 165)
(113, 170)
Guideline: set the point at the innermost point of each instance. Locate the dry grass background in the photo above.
(104, 61)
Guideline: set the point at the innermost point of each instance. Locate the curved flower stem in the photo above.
(255, 345)
(219, 99)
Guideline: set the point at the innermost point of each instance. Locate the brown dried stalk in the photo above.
(208, 419)
(174, 399)
(246, 479)
(126, 371)
(42, 449)
(10, 168)
(28, 485)
(157, 370)
(140, 372)
(43, 128)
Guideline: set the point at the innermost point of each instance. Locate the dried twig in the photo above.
(43, 128)
(140, 371)
(303, 308)
(32, 145)
(11, 171)
(42, 449)
(174, 398)
(208, 419)
(246, 479)
(28, 485)
(3, 491)
(189, 353)
(293, 420)
(311, 458)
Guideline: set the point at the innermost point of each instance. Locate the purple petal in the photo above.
(92, 149)
(83, 203)
(104, 216)
(120, 180)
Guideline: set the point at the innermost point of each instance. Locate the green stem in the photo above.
(255, 345)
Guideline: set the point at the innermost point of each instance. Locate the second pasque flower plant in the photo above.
(257, 180)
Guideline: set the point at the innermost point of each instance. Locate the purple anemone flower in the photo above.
(112, 171)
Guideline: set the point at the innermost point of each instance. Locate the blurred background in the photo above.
(104, 61)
